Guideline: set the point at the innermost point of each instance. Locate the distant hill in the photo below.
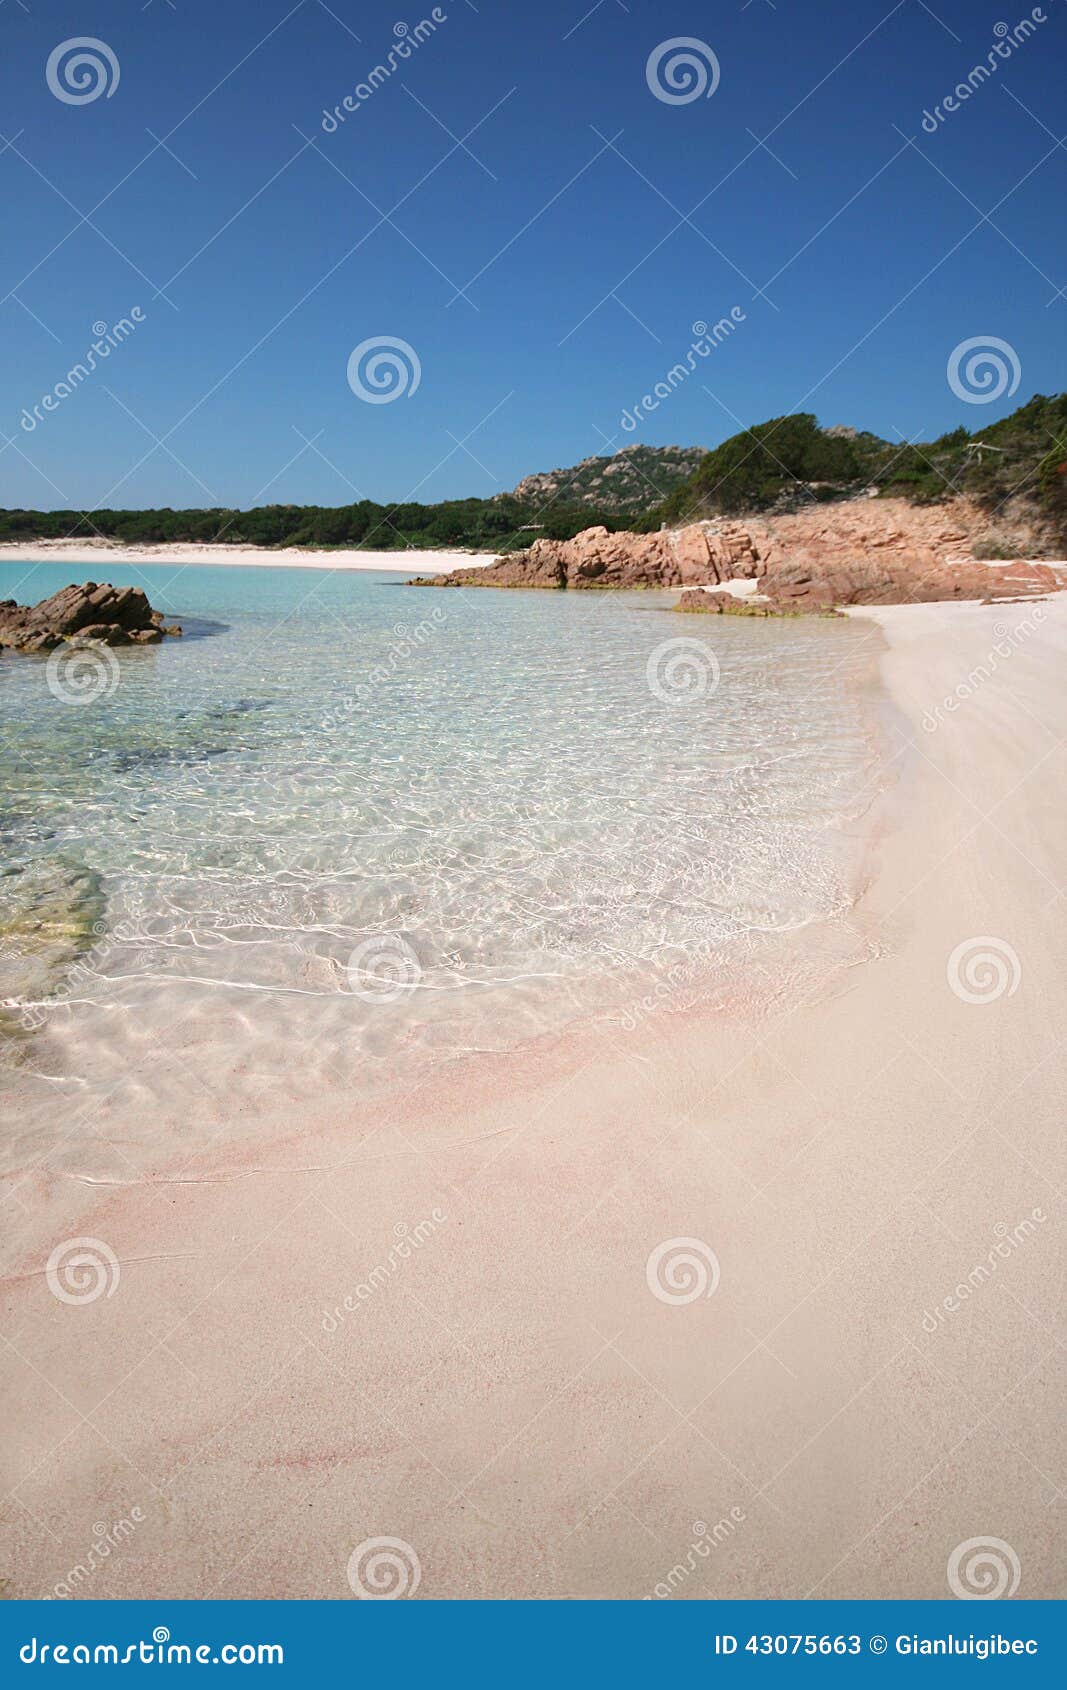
(629, 483)
(790, 461)
(1018, 466)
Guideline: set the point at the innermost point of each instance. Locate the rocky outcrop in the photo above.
(861, 551)
(822, 584)
(87, 614)
(886, 551)
(681, 557)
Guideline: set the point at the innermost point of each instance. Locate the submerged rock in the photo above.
(87, 614)
(700, 602)
(52, 912)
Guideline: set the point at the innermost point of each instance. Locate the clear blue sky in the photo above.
(582, 280)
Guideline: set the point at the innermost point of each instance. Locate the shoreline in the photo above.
(431, 563)
(511, 1398)
(186, 554)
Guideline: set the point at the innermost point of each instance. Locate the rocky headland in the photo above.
(83, 615)
(859, 551)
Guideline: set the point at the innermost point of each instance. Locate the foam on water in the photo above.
(345, 830)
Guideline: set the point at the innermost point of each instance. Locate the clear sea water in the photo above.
(344, 830)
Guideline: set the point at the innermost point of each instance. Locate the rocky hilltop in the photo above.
(629, 483)
(82, 615)
(862, 551)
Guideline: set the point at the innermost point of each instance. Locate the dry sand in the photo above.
(513, 1401)
(98, 553)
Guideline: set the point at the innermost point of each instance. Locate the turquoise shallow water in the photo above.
(344, 829)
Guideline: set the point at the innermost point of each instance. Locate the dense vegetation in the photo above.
(500, 524)
(791, 460)
(612, 491)
(782, 463)
(751, 470)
